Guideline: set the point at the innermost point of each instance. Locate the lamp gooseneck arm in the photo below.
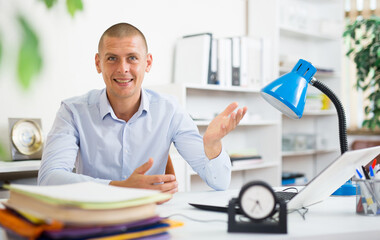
(340, 110)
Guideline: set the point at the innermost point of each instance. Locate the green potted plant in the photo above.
(363, 38)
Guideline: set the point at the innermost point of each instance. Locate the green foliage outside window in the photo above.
(363, 38)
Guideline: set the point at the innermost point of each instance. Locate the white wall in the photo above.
(69, 46)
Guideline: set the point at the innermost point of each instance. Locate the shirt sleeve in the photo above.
(189, 143)
(60, 152)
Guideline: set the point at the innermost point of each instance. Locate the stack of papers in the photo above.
(83, 209)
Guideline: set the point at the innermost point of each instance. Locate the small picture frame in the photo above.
(26, 139)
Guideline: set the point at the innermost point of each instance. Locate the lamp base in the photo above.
(347, 189)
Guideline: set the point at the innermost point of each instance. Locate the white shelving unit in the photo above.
(312, 30)
(260, 130)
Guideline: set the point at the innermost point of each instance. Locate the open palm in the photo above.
(222, 124)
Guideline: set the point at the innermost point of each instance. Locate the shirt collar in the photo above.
(106, 108)
(104, 105)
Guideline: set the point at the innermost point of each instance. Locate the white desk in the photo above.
(335, 218)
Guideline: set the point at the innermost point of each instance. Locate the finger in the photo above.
(172, 191)
(159, 203)
(245, 109)
(229, 109)
(154, 179)
(240, 114)
(168, 187)
(145, 167)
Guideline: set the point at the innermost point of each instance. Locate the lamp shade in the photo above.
(288, 92)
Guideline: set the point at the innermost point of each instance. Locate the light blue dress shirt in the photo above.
(87, 134)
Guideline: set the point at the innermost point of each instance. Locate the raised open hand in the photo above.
(219, 127)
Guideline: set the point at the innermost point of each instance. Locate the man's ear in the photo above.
(149, 60)
(97, 63)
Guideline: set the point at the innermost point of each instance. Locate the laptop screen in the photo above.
(332, 177)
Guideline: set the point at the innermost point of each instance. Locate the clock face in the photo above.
(26, 136)
(257, 201)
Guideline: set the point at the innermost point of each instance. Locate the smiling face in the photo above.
(123, 62)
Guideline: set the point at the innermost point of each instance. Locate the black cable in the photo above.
(303, 212)
(340, 110)
(194, 219)
(290, 188)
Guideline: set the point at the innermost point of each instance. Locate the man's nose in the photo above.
(124, 66)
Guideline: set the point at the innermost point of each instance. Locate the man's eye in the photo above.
(111, 58)
(133, 58)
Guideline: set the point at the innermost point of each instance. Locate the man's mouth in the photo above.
(123, 80)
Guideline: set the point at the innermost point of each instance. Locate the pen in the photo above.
(365, 173)
(374, 163)
(359, 174)
(371, 173)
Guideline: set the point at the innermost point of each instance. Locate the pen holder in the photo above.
(368, 197)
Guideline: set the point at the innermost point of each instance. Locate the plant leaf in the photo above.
(3, 153)
(29, 58)
(49, 3)
(73, 6)
(349, 52)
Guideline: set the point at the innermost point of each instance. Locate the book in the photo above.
(293, 178)
(251, 69)
(225, 61)
(21, 227)
(86, 203)
(76, 215)
(90, 195)
(236, 60)
(245, 159)
(147, 231)
(90, 231)
(193, 55)
(150, 228)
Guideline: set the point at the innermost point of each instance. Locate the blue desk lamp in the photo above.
(288, 95)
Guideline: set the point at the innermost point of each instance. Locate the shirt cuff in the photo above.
(219, 171)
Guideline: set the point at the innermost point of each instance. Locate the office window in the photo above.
(355, 99)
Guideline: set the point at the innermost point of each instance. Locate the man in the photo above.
(121, 135)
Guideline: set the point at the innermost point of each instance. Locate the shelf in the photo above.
(222, 88)
(315, 113)
(20, 166)
(307, 152)
(255, 123)
(318, 75)
(319, 112)
(255, 166)
(244, 168)
(299, 33)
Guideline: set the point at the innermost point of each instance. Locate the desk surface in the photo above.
(333, 218)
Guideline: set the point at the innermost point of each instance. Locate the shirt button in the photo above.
(126, 151)
(125, 177)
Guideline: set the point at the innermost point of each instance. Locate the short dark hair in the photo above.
(120, 30)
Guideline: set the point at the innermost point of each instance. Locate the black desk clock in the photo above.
(259, 205)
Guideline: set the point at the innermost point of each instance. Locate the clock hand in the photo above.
(258, 203)
(253, 207)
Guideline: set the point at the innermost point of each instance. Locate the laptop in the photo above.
(324, 184)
